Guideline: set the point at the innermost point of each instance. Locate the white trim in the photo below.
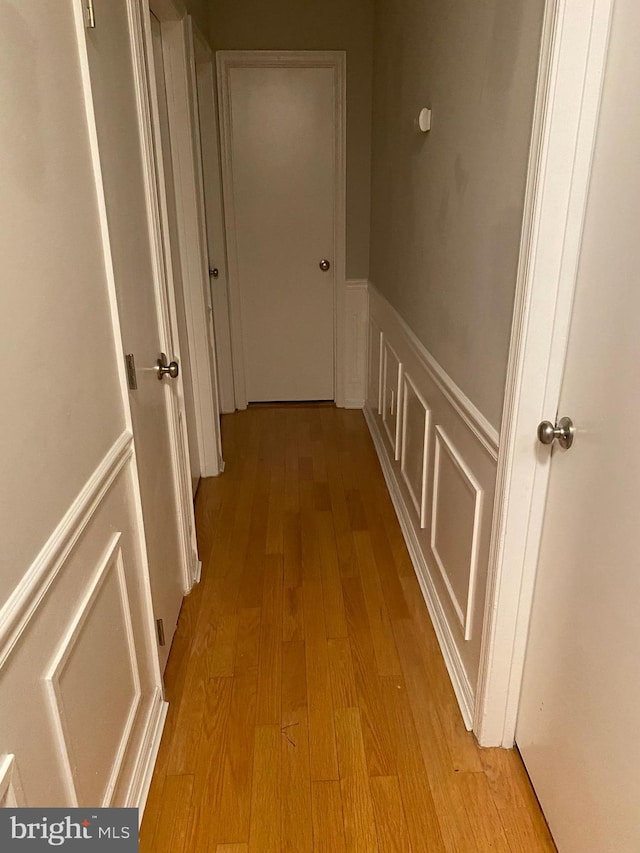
(147, 754)
(459, 680)
(217, 253)
(486, 434)
(396, 398)
(25, 599)
(442, 440)
(112, 559)
(336, 60)
(420, 503)
(573, 58)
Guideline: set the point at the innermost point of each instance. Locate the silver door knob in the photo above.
(165, 368)
(324, 265)
(564, 432)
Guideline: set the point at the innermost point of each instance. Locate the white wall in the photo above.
(318, 25)
(447, 206)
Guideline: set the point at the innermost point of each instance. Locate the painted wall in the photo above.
(447, 206)
(199, 11)
(318, 25)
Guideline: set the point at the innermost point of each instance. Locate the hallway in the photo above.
(310, 707)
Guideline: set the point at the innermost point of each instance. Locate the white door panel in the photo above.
(143, 305)
(283, 165)
(581, 691)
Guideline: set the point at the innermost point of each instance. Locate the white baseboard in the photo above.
(143, 772)
(439, 458)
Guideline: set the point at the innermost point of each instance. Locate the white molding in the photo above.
(147, 754)
(110, 561)
(11, 792)
(217, 253)
(396, 400)
(442, 441)
(28, 595)
(573, 57)
(486, 434)
(336, 60)
(420, 503)
(459, 679)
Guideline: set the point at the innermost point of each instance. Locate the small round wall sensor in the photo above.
(424, 119)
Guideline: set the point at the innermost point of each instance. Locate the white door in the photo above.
(80, 690)
(280, 129)
(577, 726)
(172, 228)
(144, 302)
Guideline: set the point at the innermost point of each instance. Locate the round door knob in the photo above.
(563, 431)
(170, 369)
(324, 265)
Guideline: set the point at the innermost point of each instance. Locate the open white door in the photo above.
(81, 707)
(579, 707)
(120, 81)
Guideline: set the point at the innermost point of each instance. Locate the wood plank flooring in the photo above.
(310, 708)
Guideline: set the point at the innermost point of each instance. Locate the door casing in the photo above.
(572, 63)
(335, 60)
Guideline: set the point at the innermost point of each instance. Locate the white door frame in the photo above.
(336, 60)
(211, 173)
(177, 44)
(573, 58)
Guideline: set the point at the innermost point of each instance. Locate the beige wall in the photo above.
(199, 11)
(447, 206)
(317, 25)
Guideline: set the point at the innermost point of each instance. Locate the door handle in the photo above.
(324, 265)
(564, 432)
(165, 368)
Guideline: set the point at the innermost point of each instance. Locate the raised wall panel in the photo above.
(391, 392)
(94, 684)
(414, 450)
(455, 527)
(374, 384)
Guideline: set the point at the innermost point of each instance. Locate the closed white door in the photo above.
(144, 303)
(280, 132)
(577, 727)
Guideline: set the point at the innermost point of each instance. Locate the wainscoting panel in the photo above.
(414, 449)
(438, 455)
(391, 391)
(78, 660)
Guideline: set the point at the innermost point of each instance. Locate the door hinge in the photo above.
(160, 629)
(130, 362)
(89, 15)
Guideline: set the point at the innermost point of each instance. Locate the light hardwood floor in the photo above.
(310, 708)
